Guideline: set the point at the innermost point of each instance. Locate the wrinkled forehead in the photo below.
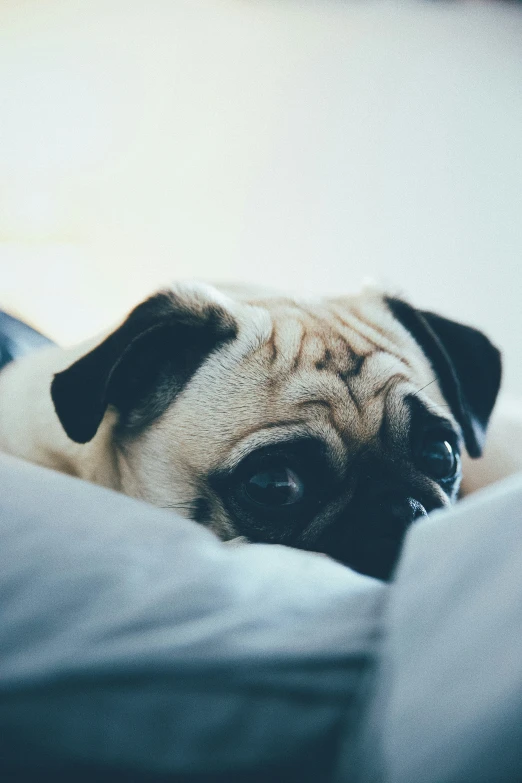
(329, 331)
(336, 348)
(329, 369)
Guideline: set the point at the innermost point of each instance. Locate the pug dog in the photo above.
(327, 424)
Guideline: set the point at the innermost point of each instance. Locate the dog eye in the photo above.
(277, 486)
(276, 490)
(438, 459)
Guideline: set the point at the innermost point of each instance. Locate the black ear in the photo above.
(141, 366)
(467, 365)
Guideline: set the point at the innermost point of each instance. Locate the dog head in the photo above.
(329, 425)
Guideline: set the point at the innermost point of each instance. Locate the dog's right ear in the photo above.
(142, 365)
(467, 365)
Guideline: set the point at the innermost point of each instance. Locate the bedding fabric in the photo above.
(135, 646)
(18, 339)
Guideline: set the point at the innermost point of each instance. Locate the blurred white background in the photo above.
(298, 144)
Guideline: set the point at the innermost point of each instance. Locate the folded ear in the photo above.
(467, 364)
(141, 366)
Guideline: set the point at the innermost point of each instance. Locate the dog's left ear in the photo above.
(467, 364)
(141, 367)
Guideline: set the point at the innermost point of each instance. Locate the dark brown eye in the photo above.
(438, 459)
(278, 486)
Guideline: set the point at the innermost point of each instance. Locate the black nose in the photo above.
(388, 513)
(404, 510)
(370, 535)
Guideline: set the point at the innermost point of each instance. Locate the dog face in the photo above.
(329, 425)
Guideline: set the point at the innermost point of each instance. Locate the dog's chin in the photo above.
(376, 558)
(368, 540)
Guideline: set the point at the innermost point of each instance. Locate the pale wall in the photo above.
(301, 144)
